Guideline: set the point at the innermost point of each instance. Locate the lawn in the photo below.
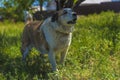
(93, 55)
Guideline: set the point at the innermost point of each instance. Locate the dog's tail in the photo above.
(28, 18)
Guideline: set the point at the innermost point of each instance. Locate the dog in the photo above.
(51, 36)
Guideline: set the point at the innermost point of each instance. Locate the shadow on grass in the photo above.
(12, 67)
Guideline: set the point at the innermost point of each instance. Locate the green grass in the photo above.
(93, 55)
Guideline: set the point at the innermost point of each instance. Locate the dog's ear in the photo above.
(54, 17)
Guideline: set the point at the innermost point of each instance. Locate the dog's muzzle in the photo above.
(74, 18)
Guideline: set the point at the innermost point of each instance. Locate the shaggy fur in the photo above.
(51, 36)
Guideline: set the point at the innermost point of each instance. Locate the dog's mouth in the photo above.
(72, 21)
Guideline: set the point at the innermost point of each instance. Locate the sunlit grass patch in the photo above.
(93, 55)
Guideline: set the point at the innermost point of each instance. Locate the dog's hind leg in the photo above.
(25, 52)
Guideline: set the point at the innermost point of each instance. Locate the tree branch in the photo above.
(69, 4)
(77, 3)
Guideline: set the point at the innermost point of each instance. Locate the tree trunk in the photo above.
(41, 4)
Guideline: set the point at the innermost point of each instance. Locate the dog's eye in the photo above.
(65, 12)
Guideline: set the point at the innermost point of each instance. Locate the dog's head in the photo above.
(65, 16)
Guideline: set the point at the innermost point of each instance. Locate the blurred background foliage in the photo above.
(14, 9)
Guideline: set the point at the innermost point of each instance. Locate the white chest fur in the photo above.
(57, 41)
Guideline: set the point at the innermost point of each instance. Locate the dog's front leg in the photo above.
(63, 56)
(51, 56)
